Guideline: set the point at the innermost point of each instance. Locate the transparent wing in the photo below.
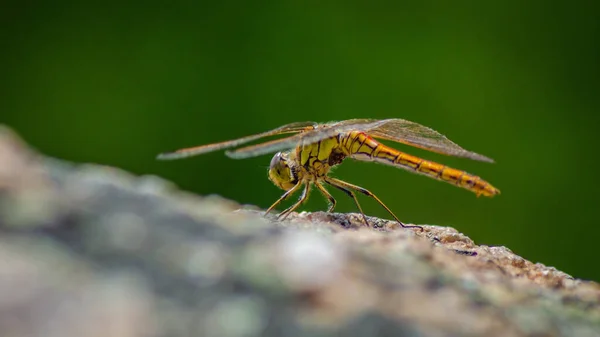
(323, 131)
(197, 150)
(417, 135)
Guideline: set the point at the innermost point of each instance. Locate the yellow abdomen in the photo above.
(363, 147)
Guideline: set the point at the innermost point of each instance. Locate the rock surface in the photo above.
(88, 250)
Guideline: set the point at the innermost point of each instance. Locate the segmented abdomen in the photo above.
(363, 147)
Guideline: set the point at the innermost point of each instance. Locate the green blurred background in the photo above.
(517, 81)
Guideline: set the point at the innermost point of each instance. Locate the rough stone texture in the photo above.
(88, 250)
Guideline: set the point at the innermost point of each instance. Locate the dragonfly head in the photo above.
(280, 172)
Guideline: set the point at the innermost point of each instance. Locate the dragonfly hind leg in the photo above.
(344, 186)
(353, 196)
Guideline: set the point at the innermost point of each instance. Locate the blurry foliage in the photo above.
(517, 81)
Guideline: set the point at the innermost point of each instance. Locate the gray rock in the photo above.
(88, 250)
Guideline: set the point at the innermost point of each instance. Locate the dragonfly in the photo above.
(305, 158)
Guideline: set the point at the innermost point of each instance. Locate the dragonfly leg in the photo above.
(340, 183)
(351, 195)
(283, 197)
(292, 208)
(327, 195)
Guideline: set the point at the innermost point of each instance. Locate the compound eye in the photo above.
(276, 160)
(280, 172)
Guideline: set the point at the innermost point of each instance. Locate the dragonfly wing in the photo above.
(323, 131)
(197, 150)
(417, 135)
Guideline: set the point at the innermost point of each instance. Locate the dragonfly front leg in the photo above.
(327, 195)
(292, 208)
(283, 197)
